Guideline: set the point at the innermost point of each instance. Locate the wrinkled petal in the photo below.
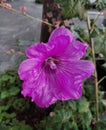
(40, 50)
(69, 86)
(64, 85)
(60, 44)
(75, 51)
(27, 66)
(78, 49)
(69, 79)
(83, 68)
(61, 31)
(39, 90)
(32, 52)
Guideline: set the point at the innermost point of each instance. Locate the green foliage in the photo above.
(11, 102)
(72, 8)
(78, 8)
(101, 4)
(16, 125)
(99, 35)
(17, 113)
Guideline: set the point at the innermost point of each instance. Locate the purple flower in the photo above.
(54, 71)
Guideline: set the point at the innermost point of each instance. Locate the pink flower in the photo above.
(54, 71)
(23, 9)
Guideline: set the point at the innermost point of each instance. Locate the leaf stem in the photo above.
(101, 79)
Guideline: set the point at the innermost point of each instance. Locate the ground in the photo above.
(15, 27)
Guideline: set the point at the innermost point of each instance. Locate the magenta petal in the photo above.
(27, 66)
(78, 49)
(61, 31)
(40, 51)
(39, 90)
(75, 51)
(32, 52)
(83, 68)
(60, 45)
(26, 90)
(68, 86)
(69, 79)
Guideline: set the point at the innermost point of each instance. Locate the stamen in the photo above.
(52, 62)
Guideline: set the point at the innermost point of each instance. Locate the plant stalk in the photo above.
(95, 72)
(29, 16)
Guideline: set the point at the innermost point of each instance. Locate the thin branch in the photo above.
(101, 80)
(28, 16)
(96, 18)
(95, 72)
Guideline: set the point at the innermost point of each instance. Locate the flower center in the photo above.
(52, 62)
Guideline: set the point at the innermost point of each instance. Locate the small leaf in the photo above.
(4, 94)
(14, 91)
(83, 105)
(94, 33)
(103, 102)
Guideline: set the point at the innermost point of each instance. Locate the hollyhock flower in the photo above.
(55, 71)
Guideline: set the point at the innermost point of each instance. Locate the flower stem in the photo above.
(29, 16)
(95, 72)
(97, 16)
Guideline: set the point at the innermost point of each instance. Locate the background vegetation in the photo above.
(18, 113)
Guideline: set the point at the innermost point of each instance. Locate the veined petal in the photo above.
(26, 89)
(67, 87)
(61, 31)
(78, 49)
(83, 68)
(40, 50)
(31, 51)
(39, 90)
(75, 51)
(27, 66)
(69, 79)
(60, 45)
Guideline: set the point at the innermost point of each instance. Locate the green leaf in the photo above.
(14, 91)
(86, 118)
(4, 94)
(5, 77)
(83, 105)
(94, 33)
(2, 127)
(103, 102)
(11, 92)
